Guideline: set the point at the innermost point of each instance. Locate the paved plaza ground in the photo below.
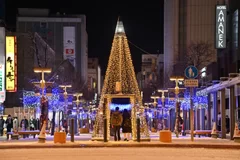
(84, 140)
(120, 154)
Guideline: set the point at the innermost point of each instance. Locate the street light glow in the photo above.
(154, 97)
(174, 78)
(65, 86)
(40, 70)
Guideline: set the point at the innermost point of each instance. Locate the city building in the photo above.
(148, 77)
(94, 77)
(228, 58)
(31, 51)
(65, 34)
(160, 70)
(2, 10)
(223, 93)
(187, 22)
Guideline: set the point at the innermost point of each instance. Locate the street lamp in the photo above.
(177, 79)
(155, 97)
(66, 103)
(42, 71)
(163, 104)
(78, 95)
(42, 84)
(65, 96)
(44, 101)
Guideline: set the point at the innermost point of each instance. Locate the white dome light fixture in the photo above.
(119, 28)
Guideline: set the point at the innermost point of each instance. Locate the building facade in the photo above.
(228, 58)
(94, 77)
(148, 77)
(65, 34)
(186, 22)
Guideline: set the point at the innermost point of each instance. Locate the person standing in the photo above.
(9, 124)
(1, 125)
(24, 125)
(15, 125)
(32, 124)
(116, 121)
(126, 125)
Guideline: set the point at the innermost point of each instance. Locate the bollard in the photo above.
(138, 129)
(105, 129)
(72, 130)
(104, 121)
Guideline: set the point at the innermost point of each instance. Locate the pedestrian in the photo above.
(2, 122)
(126, 125)
(9, 125)
(116, 121)
(24, 125)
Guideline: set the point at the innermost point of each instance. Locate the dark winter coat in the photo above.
(116, 118)
(2, 123)
(25, 122)
(9, 123)
(127, 124)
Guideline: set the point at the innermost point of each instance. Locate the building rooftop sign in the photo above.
(221, 17)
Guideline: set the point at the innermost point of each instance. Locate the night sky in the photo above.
(143, 23)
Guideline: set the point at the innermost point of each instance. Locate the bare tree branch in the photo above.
(200, 54)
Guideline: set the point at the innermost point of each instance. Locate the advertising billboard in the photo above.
(221, 17)
(2, 85)
(11, 64)
(69, 50)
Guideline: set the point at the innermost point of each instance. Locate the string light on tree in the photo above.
(120, 71)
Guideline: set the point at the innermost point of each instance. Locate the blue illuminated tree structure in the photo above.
(30, 100)
(202, 99)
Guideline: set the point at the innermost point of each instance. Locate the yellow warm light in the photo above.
(10, 64)
(179, 78)
(40, 70)
(120, 77)
(162, 90)
(154, 97)
(78, 94)
(65, 86)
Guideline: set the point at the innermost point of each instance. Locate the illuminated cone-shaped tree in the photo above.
(120, 69)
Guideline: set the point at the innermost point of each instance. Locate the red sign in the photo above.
(69, 51)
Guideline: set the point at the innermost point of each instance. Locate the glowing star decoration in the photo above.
(119, 28)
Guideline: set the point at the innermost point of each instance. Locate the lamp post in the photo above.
(65, 97)
(163, 104)
(66, 103)
(43, 84)
(177, 79)
(78, 95)
(155, 97)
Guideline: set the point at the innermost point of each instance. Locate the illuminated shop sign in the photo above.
(221, 16)
(11, 64)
